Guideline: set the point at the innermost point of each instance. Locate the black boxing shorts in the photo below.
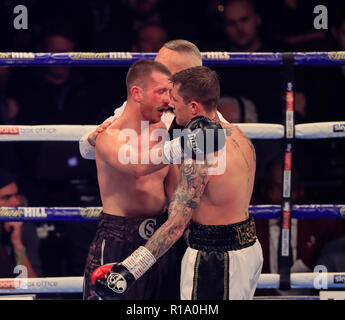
(221, 262)
(116, 238)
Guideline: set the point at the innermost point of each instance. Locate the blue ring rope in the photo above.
(127, 58)
(312, 211)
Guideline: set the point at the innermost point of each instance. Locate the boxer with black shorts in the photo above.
(126, 193)
(176, 55)
(118, 236)
(224, 257)
(132, 190)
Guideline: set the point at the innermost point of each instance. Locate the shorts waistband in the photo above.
(223, 237)
(130, 228)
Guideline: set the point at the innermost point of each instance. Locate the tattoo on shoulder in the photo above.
(250, 144)
(215, 118)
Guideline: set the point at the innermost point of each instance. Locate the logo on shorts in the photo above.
(147, 228)
(117, 283)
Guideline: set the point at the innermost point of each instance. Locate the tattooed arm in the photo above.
(185, 201)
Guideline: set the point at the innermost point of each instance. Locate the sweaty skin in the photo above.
(124, 190)
(210, 199)
(124, 193)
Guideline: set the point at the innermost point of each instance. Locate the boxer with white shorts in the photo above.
(215, 203)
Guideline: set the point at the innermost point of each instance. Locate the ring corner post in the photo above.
(285, 259)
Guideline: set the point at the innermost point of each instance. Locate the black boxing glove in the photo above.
(175, 128)
(200, 137)
(113, 280)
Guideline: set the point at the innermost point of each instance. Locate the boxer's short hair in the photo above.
(140, 72)
(200, 84)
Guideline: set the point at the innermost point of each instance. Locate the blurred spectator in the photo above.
(241, 26)
(327, 83)
(9, 108)
(237, 109)
(209, 33)
(292, 22)
(242, 23)
(180, 18)
(9, 111)
(149, 37)
(143, 11)
(19, 241)
(54, 95)
(326, 102)
(59, 95)
(102, 25)
(333, 256)
(63, 91)
(260, 84)
(308, 236)
(64, 244)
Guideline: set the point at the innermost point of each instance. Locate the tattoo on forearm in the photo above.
(184, 202)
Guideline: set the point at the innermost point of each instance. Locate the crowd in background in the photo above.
(54, 174)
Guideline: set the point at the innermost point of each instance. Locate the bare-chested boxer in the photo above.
(176, 55)
(131, 187)
(224, 257)
(131, 210)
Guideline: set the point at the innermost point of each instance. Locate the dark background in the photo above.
(54, 174)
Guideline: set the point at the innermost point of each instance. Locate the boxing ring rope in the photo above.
(321, 211)
(289, 131)
(317, 130)
(334, 280)
(122, 59)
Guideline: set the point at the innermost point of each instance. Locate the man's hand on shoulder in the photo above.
(92, 137)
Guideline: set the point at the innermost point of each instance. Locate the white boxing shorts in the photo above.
(221, 262)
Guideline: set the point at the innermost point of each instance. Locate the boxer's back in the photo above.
(227, 196)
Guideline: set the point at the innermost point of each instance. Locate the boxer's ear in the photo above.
(137, 93)
(194, 107)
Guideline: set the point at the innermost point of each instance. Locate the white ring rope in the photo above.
(320, 130)
(75, 132)
(262, 130)
(44, 132)
(330, 280)
(41, 285)
(315, 130)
